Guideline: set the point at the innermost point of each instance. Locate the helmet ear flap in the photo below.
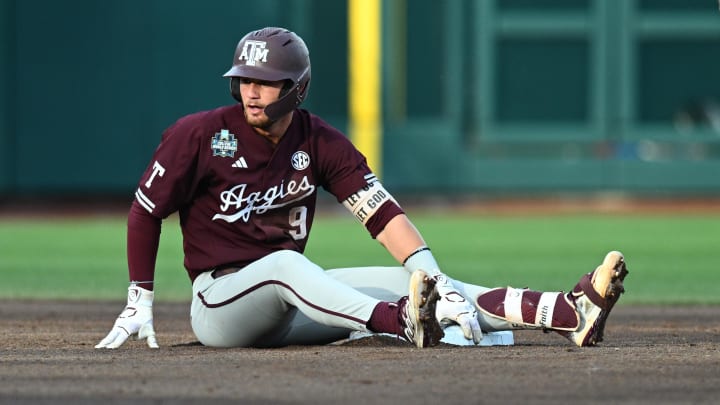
(235, 88)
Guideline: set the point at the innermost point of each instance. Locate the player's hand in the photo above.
(453, 307)
(136, 318)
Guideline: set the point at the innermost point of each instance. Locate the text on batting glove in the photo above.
(136, 318)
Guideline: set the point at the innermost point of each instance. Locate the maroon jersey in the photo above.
(239, 196)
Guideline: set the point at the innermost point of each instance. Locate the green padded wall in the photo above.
(490, 96)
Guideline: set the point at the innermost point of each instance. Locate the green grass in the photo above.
(672, 259)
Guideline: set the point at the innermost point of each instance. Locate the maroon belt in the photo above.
(224, 271)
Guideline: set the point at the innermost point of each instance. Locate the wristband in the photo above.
(422, 259)
(416, 251)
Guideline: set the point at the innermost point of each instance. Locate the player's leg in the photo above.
(256, 305)
(382, 283)
(579, 315)
(389, 283)
(243, 308)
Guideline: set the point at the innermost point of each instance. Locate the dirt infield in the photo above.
(651, 355)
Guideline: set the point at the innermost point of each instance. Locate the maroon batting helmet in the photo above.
(273, 54)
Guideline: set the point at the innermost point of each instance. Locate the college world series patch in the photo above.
(223, 144)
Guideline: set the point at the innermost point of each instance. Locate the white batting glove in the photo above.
(136, 318)
(454, 308)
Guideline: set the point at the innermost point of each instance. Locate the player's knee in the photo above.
(290, 260)
(288, 256)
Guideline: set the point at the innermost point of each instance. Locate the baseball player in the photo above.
(244, 179)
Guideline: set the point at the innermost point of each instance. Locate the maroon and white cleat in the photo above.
(417, 312)
(594, 297)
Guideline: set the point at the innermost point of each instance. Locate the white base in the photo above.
(453, 336)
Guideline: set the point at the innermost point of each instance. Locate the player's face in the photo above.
(256, 94)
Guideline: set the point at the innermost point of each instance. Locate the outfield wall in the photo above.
(484, 96)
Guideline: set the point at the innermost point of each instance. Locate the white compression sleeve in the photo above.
(422, 259)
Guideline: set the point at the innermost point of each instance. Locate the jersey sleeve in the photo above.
(169, 180)
(345, 172)
(143, 239)
(166, 185)
(343, 169)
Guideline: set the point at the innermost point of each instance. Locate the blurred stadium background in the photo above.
(476, 98)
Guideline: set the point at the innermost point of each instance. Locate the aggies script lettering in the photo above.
(261, 202)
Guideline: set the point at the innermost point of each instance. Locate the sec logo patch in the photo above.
(300, 160)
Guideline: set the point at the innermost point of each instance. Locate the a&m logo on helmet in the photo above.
(253, 52)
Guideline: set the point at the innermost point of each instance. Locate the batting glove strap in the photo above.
(138, 296)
